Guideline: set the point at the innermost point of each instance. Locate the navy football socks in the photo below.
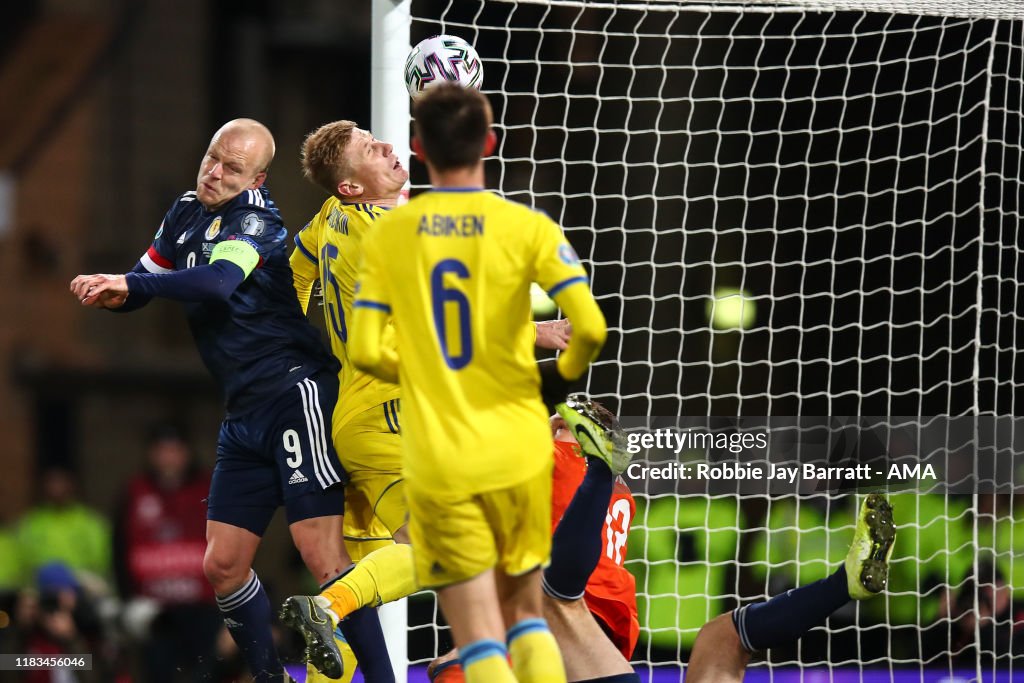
(248, 617)
(576, 543)
(366, 638)
(787, 616)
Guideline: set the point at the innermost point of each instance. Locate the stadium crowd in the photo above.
(125, 584)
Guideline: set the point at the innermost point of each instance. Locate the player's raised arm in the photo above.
(559, 271)
(216, 281)
(111, 291)
(588, 329)
(248, 231)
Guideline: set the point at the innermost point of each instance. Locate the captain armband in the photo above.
(241, 252)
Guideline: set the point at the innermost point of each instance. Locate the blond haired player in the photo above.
(453, 268)
(365, 179)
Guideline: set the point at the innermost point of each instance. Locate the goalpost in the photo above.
(390, 21)
(787, 209)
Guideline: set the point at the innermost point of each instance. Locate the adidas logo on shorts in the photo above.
(297, 478)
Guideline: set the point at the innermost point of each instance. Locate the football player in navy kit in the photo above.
(221, 250)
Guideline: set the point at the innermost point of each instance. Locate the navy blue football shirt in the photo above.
(258, 343)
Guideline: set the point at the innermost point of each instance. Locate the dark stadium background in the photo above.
(107, 107)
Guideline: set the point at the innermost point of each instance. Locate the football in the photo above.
(442, 59)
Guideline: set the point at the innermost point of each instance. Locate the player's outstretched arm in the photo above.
(364, 344)
(213, 282)
(231, 263)
(100, 290)
(588, 329)
(114, 295)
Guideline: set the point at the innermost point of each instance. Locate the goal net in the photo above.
(800, 209)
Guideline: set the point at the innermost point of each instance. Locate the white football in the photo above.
(442, 59)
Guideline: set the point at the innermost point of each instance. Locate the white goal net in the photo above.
(799, 209)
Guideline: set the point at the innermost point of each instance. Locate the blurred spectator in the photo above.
(160, 542)
(1001, 543)
(11, 571)
(1001, 539)
(61, 529)
(59, 619)
(974, 609)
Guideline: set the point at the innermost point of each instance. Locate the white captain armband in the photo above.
(238, 250)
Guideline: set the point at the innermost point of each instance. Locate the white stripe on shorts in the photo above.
(325, 473)
(330, 473)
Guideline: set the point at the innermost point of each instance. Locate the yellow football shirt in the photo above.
(329, 249)
(453, 268)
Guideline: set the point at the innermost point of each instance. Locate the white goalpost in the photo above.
(787, 209)
(390, 121)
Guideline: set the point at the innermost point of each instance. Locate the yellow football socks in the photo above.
(486, 661)
(535, 654)
(384, 575)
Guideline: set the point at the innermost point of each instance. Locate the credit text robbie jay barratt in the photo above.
(787, 473)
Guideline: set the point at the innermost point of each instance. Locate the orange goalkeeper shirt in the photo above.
(611, 590)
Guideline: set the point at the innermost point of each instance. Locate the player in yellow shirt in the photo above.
(453, 268)
(364, 179)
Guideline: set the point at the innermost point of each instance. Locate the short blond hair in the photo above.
(323, 155)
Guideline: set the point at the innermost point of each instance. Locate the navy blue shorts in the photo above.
(280, 453)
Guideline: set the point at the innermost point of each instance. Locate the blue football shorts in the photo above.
(281, 453)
